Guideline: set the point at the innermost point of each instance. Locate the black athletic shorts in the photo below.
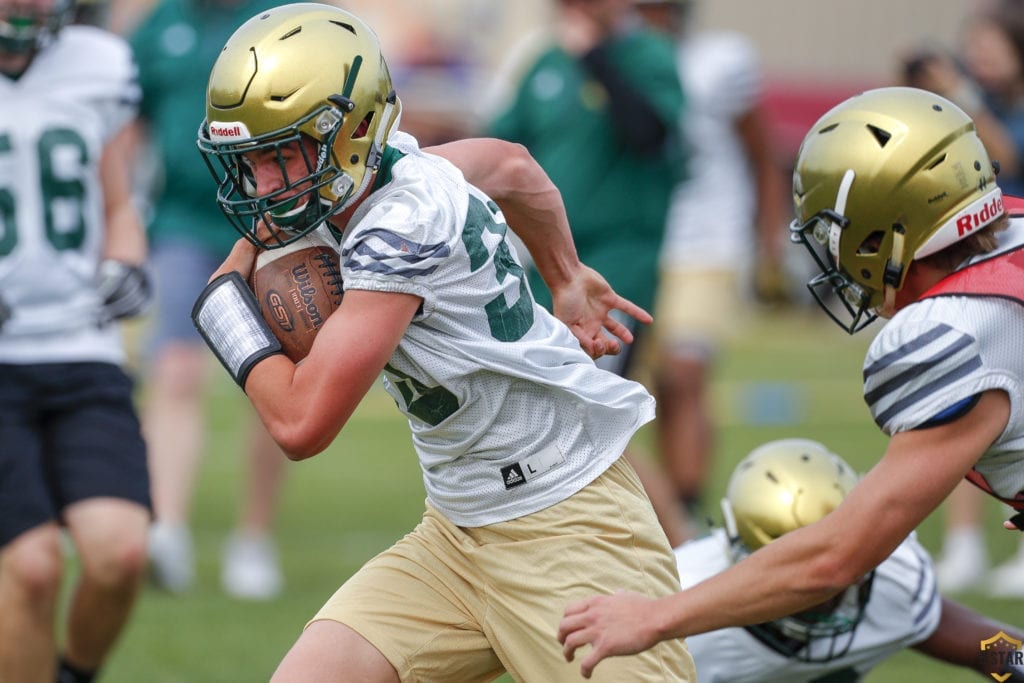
(68, 431)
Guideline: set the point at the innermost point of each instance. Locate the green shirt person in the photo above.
(599, 110)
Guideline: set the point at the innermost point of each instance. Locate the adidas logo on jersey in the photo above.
(512, 475)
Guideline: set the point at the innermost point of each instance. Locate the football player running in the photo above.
(71, 255)
(519, 435)
(782, 486)
(897, 201)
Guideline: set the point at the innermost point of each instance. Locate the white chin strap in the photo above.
(889, 291)
(835, 230)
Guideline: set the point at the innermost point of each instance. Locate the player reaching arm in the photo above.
(533, 207)
(123, 282)
(897, 202)
(782, 486)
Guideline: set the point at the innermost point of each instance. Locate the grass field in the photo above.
(789, 375)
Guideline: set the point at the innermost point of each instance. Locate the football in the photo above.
(298, 286)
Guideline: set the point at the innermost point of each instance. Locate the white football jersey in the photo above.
(54, 123)
(904, 608)
(508, 414)
(711, 219)
(940, 351)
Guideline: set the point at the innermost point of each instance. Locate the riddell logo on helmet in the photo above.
(972, 220)
(232, 130)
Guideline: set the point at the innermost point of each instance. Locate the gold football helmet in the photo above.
(26, 26)
(297, 72)
(884, 178)
(777, 488)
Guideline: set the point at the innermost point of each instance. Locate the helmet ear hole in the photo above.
(363, 127)
(871, 244)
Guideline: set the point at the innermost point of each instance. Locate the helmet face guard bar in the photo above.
(282, 216)
(837, 294)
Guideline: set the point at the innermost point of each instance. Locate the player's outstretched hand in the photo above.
(585, 304)
(612, 625)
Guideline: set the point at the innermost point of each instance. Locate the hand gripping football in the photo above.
(298, 286)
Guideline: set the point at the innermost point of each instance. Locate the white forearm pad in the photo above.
(229, 320)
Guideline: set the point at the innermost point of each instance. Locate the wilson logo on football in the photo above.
(304, 297)
(282, 316)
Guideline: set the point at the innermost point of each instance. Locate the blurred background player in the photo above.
(986, 79)
(599, 109)
(176, 46)
(725, 222)
(781, 486)
(72, 254)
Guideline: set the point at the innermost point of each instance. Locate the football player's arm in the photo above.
(125, 236)
(122, 281)
(533, 207)
(304, 406)
(807, 566)
(769, 276)
(957, 638)
(507, 173)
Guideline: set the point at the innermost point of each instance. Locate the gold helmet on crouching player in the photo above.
(779, 487)
(887, 177)
(292, 74)
(29, 25)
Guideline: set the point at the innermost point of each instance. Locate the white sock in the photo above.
(964, 540)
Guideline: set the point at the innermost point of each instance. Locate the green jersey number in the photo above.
(432, 405)
(56, 191)
(507, 323)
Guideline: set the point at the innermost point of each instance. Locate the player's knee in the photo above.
(34, 566)
(684, 375)
(115, 563)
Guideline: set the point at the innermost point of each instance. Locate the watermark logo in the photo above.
(1000, 652)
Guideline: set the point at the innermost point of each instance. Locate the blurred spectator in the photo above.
(599, 110)
(72, 257)
(176, 46)
(987, 81)
(725, 223)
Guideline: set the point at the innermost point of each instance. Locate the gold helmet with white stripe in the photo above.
(884, 178)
